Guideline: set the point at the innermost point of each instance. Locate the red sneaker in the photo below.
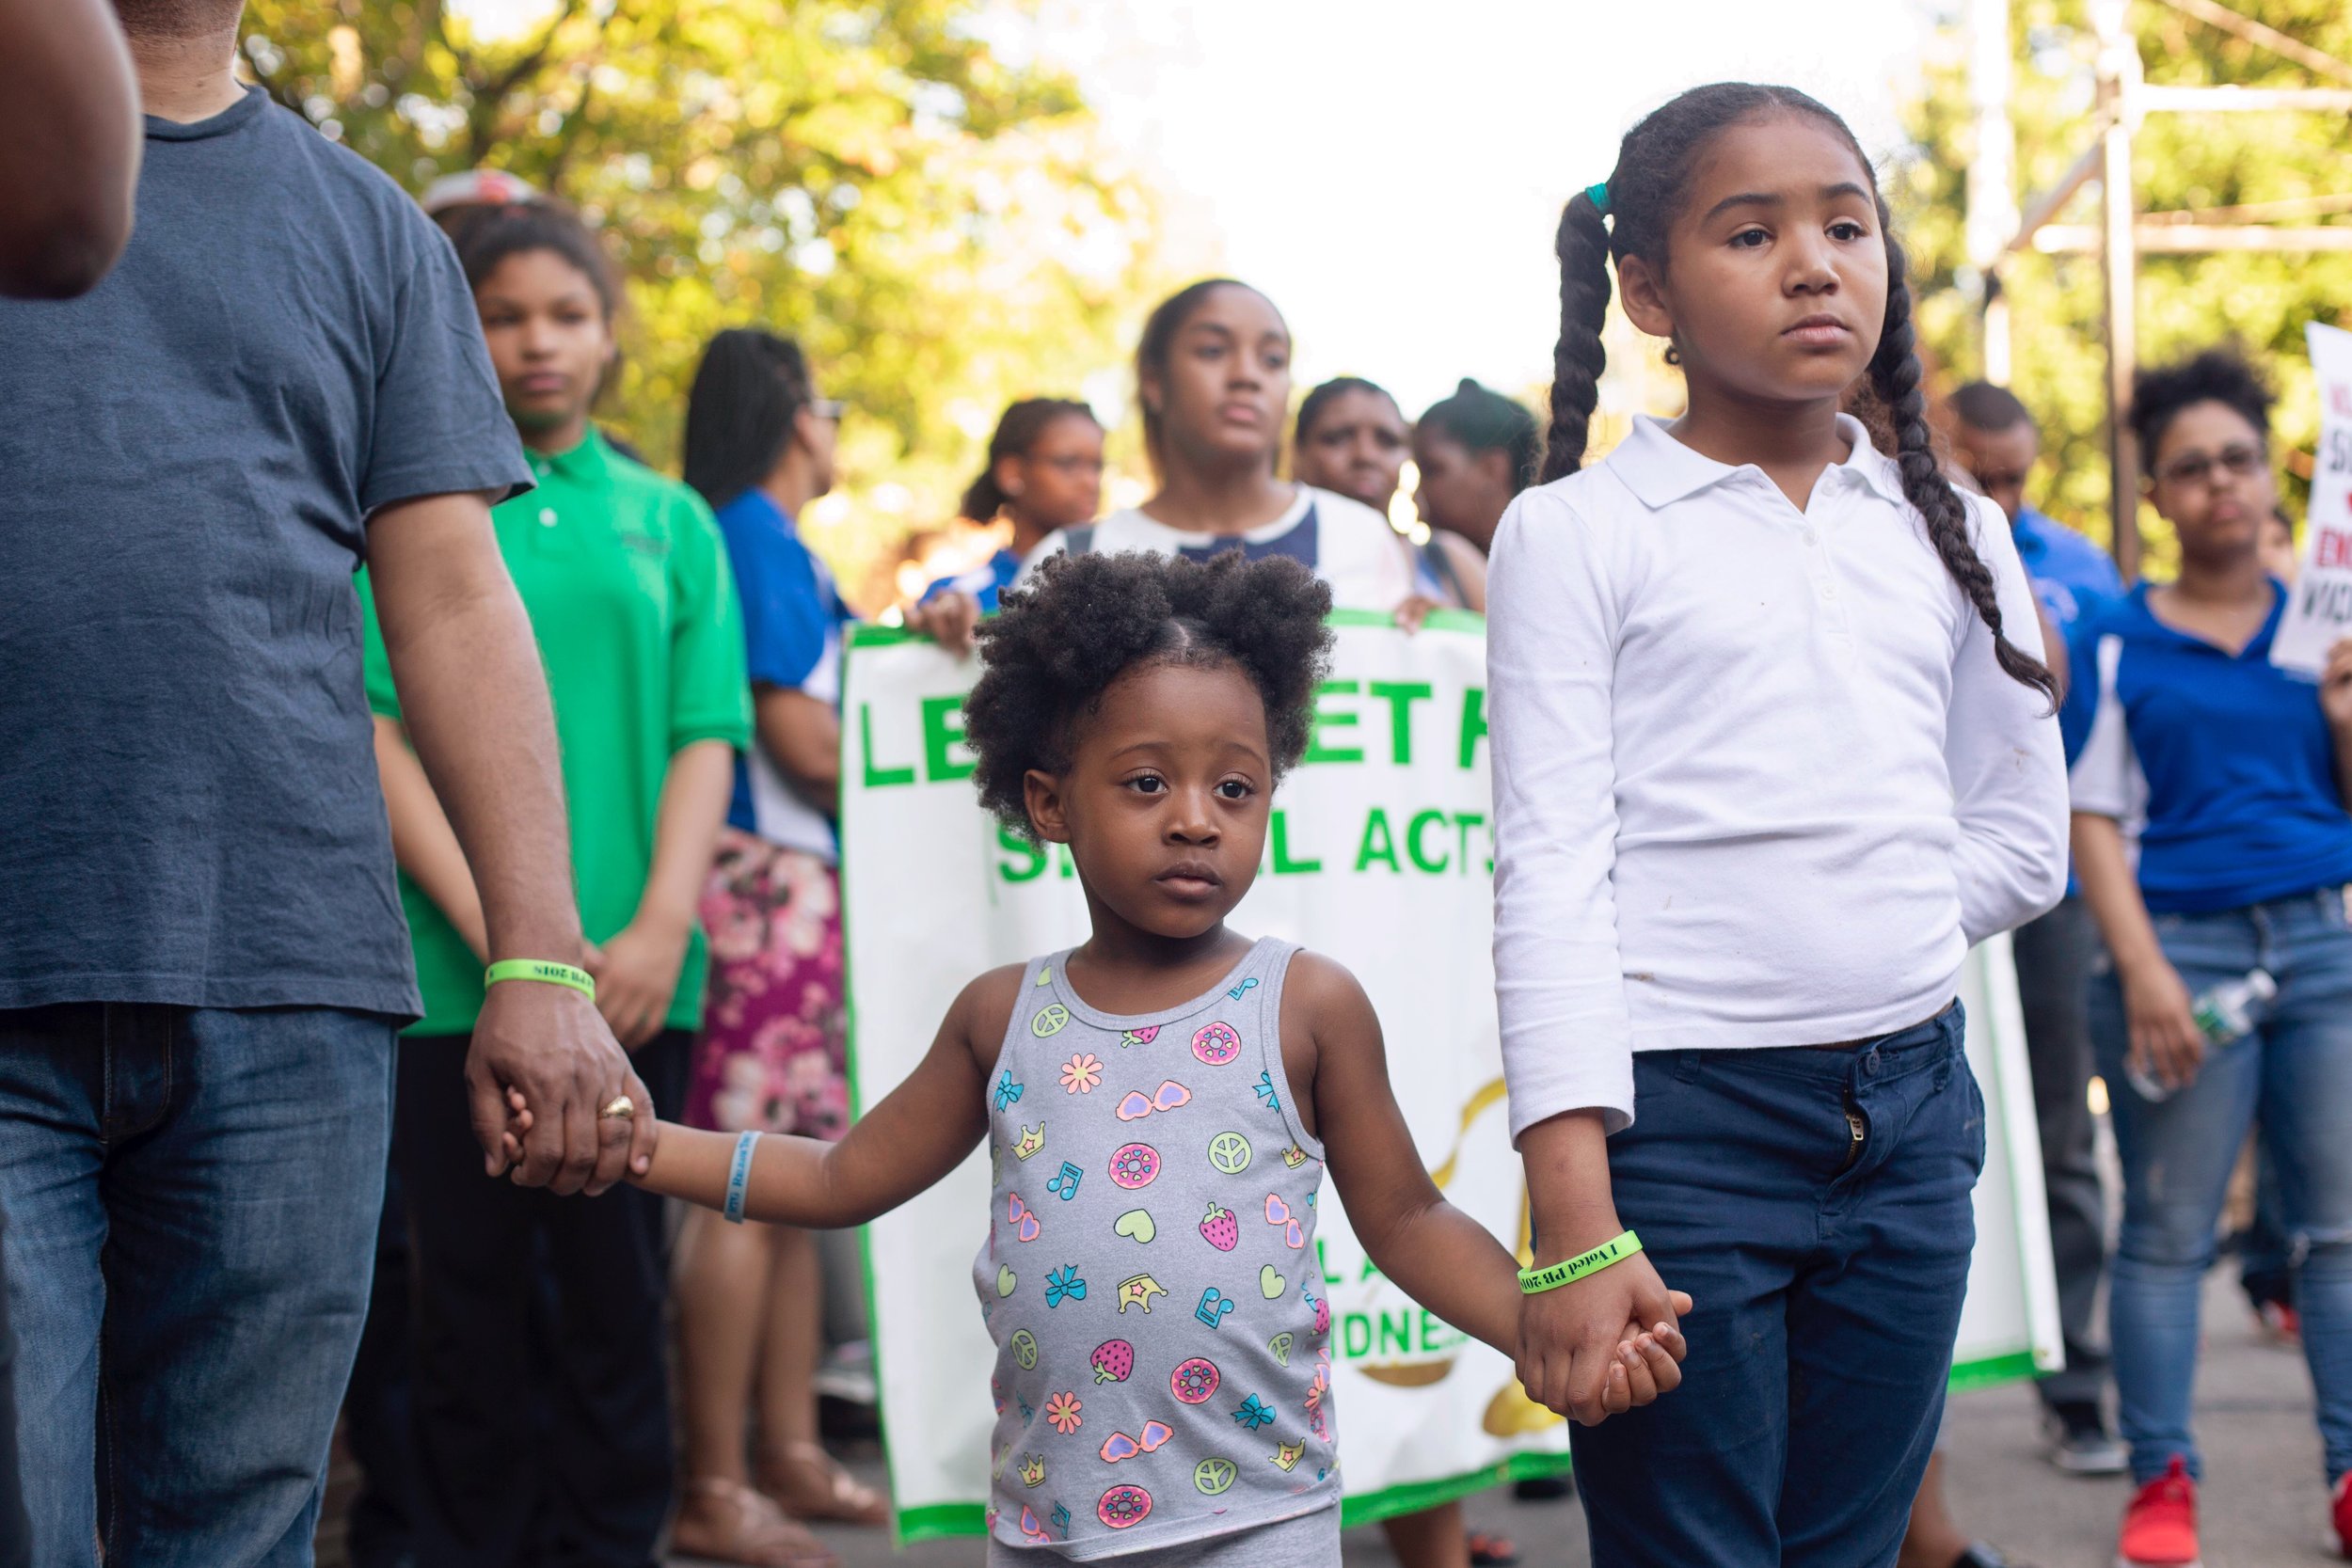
(2282, 1325)
(2160, 1528)
(2343, 1514)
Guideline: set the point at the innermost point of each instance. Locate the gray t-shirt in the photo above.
(188, 453)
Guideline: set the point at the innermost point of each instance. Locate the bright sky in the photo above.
(1390, 171)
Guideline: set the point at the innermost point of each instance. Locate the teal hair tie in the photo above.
(1599, 197)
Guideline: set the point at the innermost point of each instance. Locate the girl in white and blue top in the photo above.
(1214, 378)
(1772, 745)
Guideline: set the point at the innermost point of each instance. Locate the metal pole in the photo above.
(2117, 78)
(1992, 174)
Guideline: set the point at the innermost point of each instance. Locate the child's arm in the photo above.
(916, 1135)
(1437, 1254)
(2002, 749)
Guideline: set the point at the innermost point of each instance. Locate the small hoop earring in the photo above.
(1674, 354)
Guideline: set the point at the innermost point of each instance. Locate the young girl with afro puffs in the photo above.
(1163, 1368)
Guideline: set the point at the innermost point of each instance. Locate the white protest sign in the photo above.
(2320, 609)
(1378, 855)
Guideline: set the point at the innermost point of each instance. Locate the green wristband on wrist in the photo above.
(542, 971)
(1536, 1281)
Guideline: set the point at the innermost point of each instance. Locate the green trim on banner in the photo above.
(1440, 620)
(1993, 1371)
(948, 1521)
(941, 1522)
(1413, 1496)
(848, 1000)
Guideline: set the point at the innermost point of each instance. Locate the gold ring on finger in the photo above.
(620, 1109)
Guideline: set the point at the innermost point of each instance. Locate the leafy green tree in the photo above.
(937, 221)
(2203, 161)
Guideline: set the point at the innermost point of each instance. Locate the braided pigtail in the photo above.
(1578, 359)
(1895, 379)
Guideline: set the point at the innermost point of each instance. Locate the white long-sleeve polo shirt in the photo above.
(1758, 778)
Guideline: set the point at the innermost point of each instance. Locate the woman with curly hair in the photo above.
(1141, 710)
(2237, 770)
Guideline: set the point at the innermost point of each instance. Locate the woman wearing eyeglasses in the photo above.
(2236, 771)
(771, 1056)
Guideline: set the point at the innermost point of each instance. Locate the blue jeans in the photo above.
(2296, 1072)
(1827, 1275)
(191, 1199)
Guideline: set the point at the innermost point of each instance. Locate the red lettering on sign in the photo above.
(2340, 398)
(2333, 547)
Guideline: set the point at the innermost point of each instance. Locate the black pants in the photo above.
(379, 1532)
(2053, 956)
(540, 1395)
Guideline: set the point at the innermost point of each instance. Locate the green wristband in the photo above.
(542, 971)
(1536, 1281)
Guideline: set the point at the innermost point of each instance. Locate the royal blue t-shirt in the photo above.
(984, 582)
(2071, 575)
(2225, 762)
(793, 624)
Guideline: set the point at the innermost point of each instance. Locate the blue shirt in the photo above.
(984, 582)
(2071, 575)
(2225, 762)
(190, 462)
(793, 620)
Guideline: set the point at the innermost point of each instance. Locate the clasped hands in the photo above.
(1600, 1345)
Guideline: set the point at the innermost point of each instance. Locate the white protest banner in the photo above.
(1378, 855)
(2320, 609)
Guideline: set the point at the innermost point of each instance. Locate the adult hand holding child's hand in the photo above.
(552, 1045)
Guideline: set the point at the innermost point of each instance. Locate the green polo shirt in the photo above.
(626, 585)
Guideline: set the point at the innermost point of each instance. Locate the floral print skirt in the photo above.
(773, 1051)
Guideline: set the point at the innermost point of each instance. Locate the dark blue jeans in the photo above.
(2295, 1073)
(1827, 1275)
(192, 1199)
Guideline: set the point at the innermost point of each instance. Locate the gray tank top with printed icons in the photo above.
(1163, 1365)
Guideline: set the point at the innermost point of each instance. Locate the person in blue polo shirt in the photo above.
(1996, 441)
(1044, 473)
(2234, 771)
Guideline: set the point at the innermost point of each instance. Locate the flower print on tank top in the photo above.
(1163, 1363)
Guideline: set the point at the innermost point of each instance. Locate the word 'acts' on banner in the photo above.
(1380, 854)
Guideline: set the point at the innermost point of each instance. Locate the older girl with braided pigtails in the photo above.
(1772, 745)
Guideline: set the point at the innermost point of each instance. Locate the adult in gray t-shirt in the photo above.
(203, 961)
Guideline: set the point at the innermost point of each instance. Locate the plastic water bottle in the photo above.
(2224, 1015)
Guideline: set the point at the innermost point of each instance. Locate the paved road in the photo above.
(2263, 1503)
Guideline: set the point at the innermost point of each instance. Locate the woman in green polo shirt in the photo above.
(542, 1417)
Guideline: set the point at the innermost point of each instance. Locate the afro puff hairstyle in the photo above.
(1084, 620)
(2218, 375)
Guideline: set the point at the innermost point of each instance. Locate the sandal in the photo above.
(812, 1485)
(743, 1527)
(1492, 1551)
